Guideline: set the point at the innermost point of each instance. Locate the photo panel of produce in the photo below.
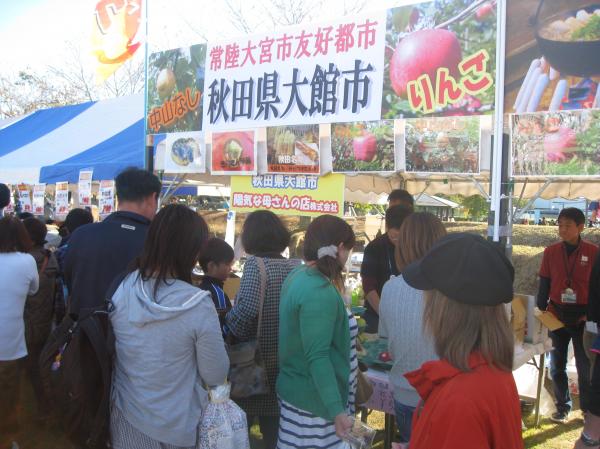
(185, 153)
(293, 149)
(552, 55)
(440, 59)
(175, 87)
(233, 153)
(565, 143)
(443, 145)
(363, 146)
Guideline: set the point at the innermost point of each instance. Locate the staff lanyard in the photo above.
(569, 270)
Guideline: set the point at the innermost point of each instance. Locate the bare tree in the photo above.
(28, 91)
(271, 14)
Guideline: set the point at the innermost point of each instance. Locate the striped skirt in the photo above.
(299, 429)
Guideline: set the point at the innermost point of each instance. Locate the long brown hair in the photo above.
(172, 245)
(13, 236)
(418, 233)
(327, 230)
(459, 329)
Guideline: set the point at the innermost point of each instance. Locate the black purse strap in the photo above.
(262, 270)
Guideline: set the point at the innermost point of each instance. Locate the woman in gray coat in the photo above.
(168, 340)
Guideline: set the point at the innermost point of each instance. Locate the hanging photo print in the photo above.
(552, 61)
(442, 145)
(234, 152)
(363, 147)
(184, 153)
(556, 144)
(175, 87)
(293, 149)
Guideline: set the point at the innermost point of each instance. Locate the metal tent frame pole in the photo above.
(497, 160)
(519, 213)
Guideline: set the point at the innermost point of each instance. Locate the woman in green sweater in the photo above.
(317, 342)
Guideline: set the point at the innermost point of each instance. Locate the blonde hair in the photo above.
(459, 329)
(418, 233)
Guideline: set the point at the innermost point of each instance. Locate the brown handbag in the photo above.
(247, 372)
(364, 389)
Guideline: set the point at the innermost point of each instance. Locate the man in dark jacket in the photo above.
(99, 252)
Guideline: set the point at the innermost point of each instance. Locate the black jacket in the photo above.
(98, 253)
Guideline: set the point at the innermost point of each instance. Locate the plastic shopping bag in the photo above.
(223, 424)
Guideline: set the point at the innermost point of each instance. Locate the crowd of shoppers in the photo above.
(438, 299)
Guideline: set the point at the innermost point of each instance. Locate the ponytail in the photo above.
(331, 268)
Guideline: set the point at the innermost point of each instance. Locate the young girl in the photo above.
(317, 343)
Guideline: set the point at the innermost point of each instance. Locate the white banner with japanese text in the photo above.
(301, 75)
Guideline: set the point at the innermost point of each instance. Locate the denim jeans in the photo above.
(404, 414)
(558, 367)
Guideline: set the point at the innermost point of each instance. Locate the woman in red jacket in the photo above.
(469, 397)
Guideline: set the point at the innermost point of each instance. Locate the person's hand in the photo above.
(343, 425)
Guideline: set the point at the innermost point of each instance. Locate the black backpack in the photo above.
(76, 368)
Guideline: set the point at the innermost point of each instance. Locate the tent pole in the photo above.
(480, 188)
(521, 211)
(499, 120)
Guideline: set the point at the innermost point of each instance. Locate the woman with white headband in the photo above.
(317, 342)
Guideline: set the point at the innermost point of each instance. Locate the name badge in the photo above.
(568, 296)
(584, 260)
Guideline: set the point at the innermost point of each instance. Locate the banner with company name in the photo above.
(302, 75)
(305, 195)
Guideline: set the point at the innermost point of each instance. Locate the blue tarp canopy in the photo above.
(54, 144)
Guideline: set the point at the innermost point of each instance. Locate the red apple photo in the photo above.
(431, 39)
(363, 146)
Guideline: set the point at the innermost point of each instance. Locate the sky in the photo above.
(33, 33)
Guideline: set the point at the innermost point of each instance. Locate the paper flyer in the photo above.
(85, 188)
(25, 198)
(106, 198)
(61, 200)
(39, 191)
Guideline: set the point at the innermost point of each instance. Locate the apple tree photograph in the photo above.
(363, 146)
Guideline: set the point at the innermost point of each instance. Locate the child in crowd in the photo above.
(216, 261)
(563, 290)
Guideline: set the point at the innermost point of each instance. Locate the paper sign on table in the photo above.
(549, 320)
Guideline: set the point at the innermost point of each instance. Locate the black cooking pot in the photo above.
(570, 58)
